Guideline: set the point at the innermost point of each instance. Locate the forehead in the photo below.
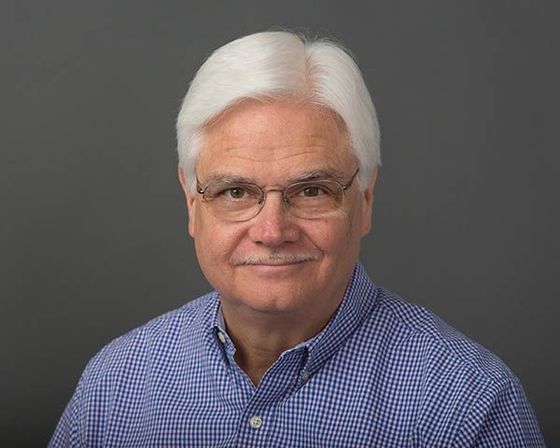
(274, 140)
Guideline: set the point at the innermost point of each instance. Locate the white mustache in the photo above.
(275, 259)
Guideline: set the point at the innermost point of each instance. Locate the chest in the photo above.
(347, 402)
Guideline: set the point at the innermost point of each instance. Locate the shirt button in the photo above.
(221, 337)
(256, 422)
(304, 376)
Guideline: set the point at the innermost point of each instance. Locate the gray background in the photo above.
(93, 227)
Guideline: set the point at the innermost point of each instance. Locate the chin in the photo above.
(272, 298)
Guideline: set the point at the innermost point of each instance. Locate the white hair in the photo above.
(279, 64)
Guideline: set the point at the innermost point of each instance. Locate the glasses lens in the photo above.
(314, 199)
(234, 202)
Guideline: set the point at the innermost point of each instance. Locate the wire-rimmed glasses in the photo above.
(241, 201)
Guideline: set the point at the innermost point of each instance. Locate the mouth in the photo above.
(276, 270)
(278, 263)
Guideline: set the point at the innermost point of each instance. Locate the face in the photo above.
(271, 145)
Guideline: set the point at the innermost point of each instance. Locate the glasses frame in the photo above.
(264, 192)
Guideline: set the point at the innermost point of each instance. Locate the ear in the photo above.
(367, 203)
(190, 198)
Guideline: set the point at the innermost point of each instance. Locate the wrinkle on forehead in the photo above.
(290, 137)
(270, 154)
(274, 120)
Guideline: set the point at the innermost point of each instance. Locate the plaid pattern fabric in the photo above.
(382, 373)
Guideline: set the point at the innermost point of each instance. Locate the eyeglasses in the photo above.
(241, 201)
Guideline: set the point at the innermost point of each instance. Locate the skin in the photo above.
(271, 307)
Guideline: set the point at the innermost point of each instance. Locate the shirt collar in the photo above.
(356, 305)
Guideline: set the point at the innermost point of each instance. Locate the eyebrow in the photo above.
(316, 174)
(328, 173)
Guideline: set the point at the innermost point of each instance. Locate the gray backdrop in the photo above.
(93, 226)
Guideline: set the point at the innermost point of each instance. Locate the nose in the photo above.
(274, 225)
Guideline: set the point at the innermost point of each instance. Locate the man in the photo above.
(278, 152)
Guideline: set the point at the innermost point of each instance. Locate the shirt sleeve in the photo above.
(502, 417)
(67, 433)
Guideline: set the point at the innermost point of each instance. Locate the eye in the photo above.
(312, 191)
(234, 193)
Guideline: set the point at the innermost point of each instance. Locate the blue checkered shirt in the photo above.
(382, 373)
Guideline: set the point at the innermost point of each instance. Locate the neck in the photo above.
(261, 337)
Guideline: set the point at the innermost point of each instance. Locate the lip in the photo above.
(275, 268)
(278, 263)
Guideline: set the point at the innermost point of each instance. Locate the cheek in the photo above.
(344, 235)
(330, 236)
(214, 241)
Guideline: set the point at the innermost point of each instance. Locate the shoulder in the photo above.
(130, 369)
(460, 385)
(156, 339)
(425, 334)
